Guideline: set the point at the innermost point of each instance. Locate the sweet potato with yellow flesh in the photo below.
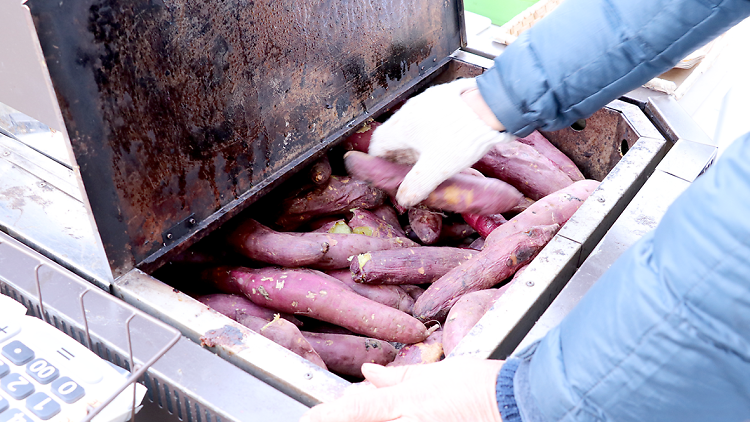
(558, 158)
(339, 195)
(484, 224)
(555, 208)
(393, 296)
(461, 193)
(369, 224)
(360, 140)
(466, 313)
(489, 267)
(428, 351)
(426, 224)
(284, 333)
(234, 306)
(261, 243)
(345, 354)
(523, 167)
(418, 265)
(320, 296)
(335, 226)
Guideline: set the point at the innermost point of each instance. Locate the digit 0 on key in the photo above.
(68, 390)
(42, 371)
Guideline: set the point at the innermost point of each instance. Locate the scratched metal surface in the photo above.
(177, 108)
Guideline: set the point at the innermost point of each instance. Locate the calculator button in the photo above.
(14, 415)
(4, 369)
(8, 329)
(42, 405)
(42, 371)
(68, 390)
(3, 404)
(17, 352)
(17, 386)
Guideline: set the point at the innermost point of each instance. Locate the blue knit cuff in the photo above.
(506, 399)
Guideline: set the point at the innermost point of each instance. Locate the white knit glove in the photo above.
(454, 390)
(439, 132)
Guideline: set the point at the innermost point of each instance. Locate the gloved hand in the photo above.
(453, 390)
(441, 132)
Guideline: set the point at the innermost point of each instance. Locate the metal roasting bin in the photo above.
(181, 115)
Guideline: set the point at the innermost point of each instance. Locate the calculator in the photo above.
(46, 375)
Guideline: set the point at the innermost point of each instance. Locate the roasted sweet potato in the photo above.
(360, 140)
(555, 208)
(393, 296)
(414, 291)
(320, 171)
(345, 354)
(284, 333)
(369, 224)
(335, 226)
(428, 351)
(461, 193)
(426, 224)
(339, 195)
(545, 147)
(343, 246)
(318, 295)
(524, 168)
(466, 313)
(261, 243)
(389, 215)
(408, 266)
(484, 224)
(455, 232)
(235, 305)
(489, 267)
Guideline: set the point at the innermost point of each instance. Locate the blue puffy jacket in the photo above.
(664, 335)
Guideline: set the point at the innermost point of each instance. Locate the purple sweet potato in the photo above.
(408, 266)
(360, 140)
(426, 224)
(320, 171)
(461, 193)
(345, 354)
(414, 291)
(284, 333)
(489, 267)
(484, 224)
(388, 214)
(234, 306)
(455, 232)
(339, 195)
(555, 208)
(466, 313)
(261, 243)
(393, 296)
(545, 147)
(428, 351)
(369, 224)
(524, 168)
(478, 244)
(343, 246)
(320, 296)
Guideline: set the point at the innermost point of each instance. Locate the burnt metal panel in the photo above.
(179, 108)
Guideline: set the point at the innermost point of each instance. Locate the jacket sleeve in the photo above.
(588, 52)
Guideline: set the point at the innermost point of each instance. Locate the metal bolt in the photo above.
(6, 153)
(191, 221)
(530, 283)
(434, 59)
(42, 184)
(308, 375)
(169, 235)
(422, 67)
(600, 199)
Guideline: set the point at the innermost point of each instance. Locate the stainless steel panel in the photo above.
(688, 160)
(673, 121)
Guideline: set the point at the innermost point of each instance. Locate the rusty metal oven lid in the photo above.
(180, 112)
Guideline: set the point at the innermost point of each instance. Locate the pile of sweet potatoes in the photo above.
(340, 274)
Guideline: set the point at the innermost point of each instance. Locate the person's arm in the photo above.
(588, 52)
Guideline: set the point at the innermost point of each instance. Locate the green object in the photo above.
(499, 11)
